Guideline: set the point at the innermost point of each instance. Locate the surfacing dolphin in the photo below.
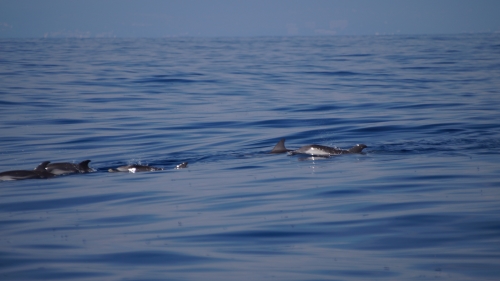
(143, 168)
(69, 168)
(181, 165)
(38, 173)
(316, 149)
(325, 151)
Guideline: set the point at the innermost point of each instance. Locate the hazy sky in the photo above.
(152, 18)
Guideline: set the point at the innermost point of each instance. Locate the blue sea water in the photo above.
(422, 202)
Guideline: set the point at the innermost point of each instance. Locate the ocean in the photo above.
(422, 202)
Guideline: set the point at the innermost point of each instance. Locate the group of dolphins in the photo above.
(48, 170)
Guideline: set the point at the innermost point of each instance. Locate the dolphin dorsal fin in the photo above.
(84, 164)
(42, 166)
(279, 147)
(357, 148)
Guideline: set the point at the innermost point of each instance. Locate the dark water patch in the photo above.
(7, 103)
(232, 205)
(70, 202)
(434, 178)
(451, 256)
(9, 222)
(393, 242)
(333, 73)
(257, 252)
(318, 108)
(278, 123)
(418, 220)
(145, 200)
(144, 258)
(48, 247)
(244, 167)
(418, 68)
(343, 192)
(9, 259)
(468, 269)
(235, 196)
(442, 145)
(382, 129)
(68, 121)
(47, 273)
(165, 80)
(485, 228)
(397, 206)
(427, 106)
(252, 236)
(357, 55)
(125, 220)
(359, 273)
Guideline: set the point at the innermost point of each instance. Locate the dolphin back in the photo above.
(357, 148)
(18, 175)
(182, 165)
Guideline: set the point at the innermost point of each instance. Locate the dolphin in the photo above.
(182, 165)
(325, 151)
(142, 168)
(316, 149)
(69, 168)
(135, 168)
(38, 173)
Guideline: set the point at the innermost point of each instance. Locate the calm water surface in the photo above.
(422, 202)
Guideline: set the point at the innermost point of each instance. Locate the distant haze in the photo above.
(151, 18)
